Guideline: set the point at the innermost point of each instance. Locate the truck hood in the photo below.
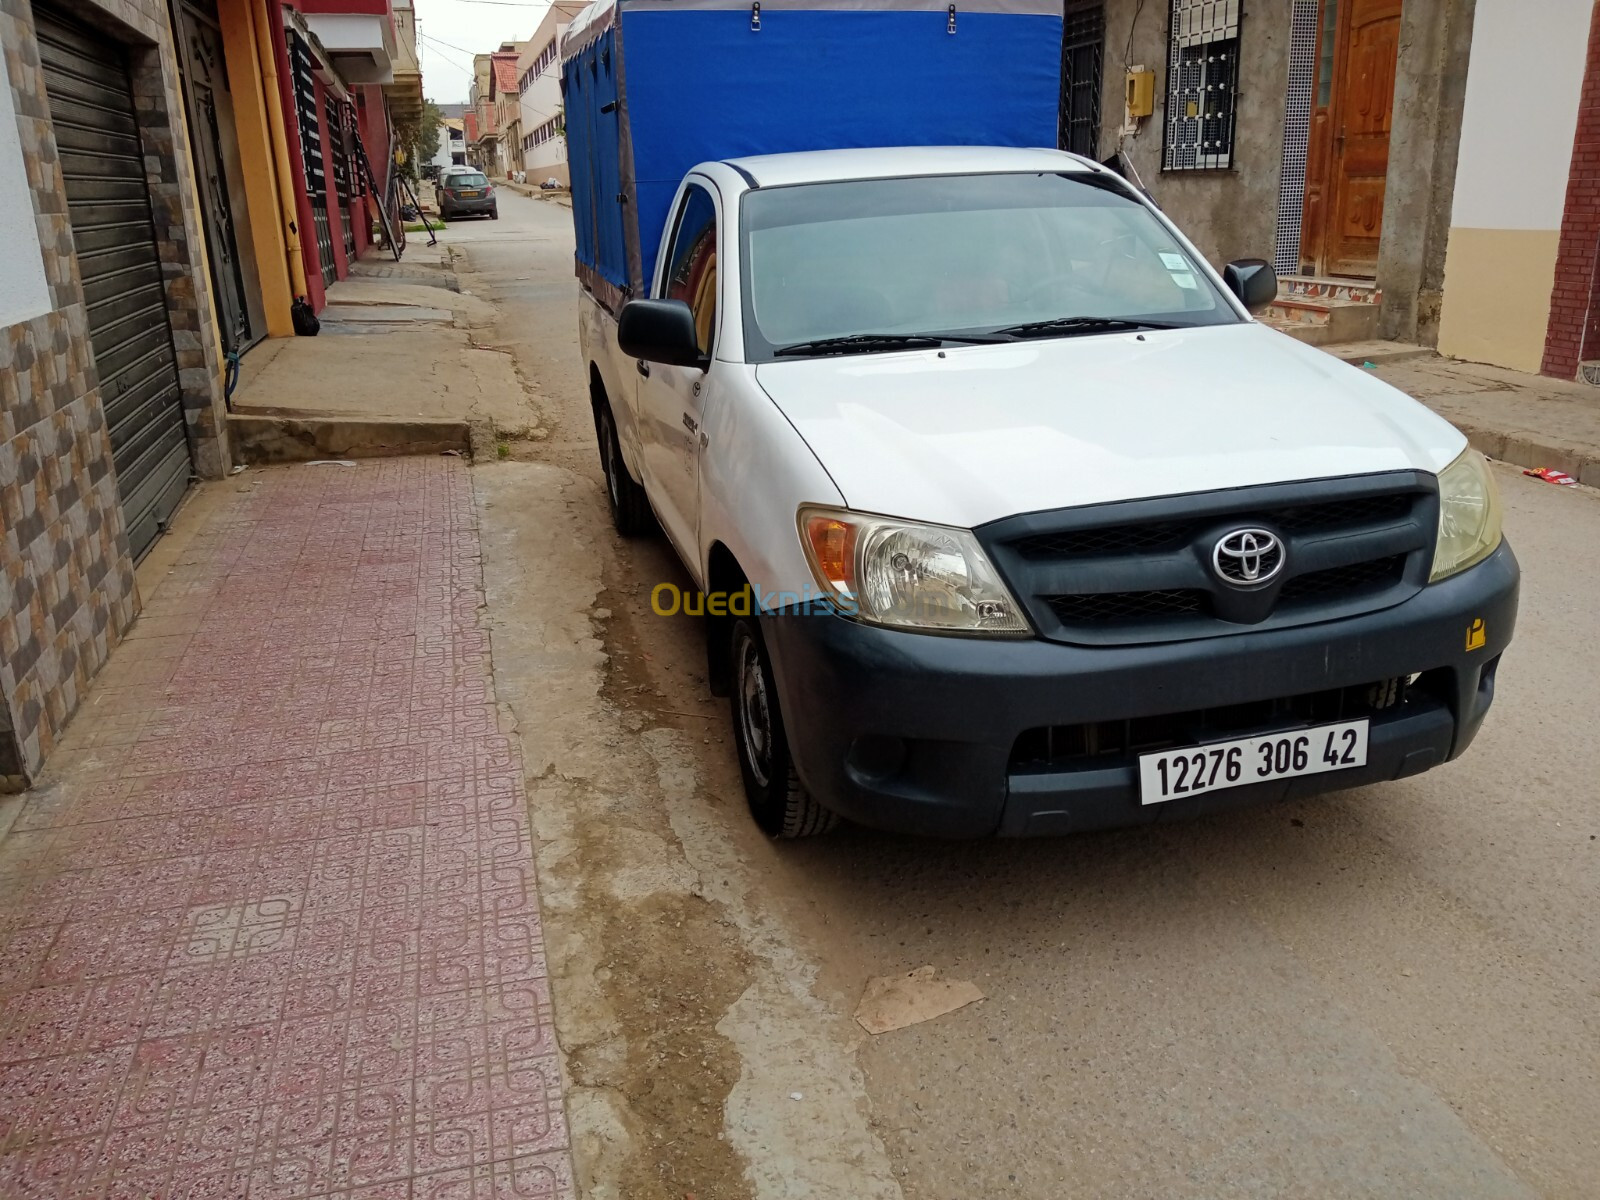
(976, 433)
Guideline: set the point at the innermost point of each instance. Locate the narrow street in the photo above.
(1381, 993)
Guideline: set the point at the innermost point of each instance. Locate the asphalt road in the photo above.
(1388, 992)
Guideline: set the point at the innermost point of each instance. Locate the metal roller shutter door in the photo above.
(108, 200)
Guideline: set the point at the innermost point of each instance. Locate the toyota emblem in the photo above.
(1247, 557)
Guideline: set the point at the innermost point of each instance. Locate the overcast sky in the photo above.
(450, 32)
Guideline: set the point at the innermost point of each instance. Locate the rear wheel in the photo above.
(630, 508)
(778, 800)
(494, 213)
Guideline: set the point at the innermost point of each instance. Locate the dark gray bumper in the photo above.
(467, 208)
(914, 733)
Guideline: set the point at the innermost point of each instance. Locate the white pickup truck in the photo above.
(1012, 520)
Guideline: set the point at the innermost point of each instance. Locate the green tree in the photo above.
(418, 139)
(428, 132)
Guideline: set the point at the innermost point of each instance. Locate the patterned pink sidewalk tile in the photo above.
(270, 928)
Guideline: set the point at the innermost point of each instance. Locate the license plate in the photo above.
(1243, 761)
(466, 195)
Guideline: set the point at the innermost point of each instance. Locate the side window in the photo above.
(692, 268)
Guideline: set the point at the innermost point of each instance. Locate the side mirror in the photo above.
(660, 331)
(1252, 280)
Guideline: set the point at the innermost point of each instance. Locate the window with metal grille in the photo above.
(305, 109)
(339, 156)
(1202, 85)
(1082, 52)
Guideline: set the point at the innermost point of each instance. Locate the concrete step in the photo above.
(283, 435)
(1323, 322)
(1313, 287)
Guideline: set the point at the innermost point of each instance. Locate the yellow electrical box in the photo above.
(1141, 93)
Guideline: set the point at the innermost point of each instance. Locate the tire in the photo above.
(494, 213)
(630, 507)
(778, 800)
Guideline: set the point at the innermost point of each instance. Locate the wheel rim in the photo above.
(755, 714)
(613, 485)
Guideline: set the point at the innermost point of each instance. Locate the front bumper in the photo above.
(914, 733)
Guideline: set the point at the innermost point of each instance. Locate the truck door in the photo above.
(671, 399)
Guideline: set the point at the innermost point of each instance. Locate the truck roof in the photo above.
(894, 162)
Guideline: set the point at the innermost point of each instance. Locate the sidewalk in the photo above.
(269, 924)
(1527, 420)
(399, 368)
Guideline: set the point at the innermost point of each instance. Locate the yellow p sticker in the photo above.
(1477, 635)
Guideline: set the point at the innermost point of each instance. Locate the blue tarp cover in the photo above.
(594, 158)
(702, 85)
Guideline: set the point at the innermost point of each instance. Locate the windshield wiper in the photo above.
(865, 343)
(1083, 325)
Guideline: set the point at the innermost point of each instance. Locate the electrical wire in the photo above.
(1127, 54)
(446, 45)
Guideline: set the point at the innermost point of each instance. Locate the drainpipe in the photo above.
(280, 144)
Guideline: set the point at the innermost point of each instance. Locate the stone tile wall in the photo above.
(67, 591)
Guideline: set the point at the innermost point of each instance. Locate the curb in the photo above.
(1523, 449)
(1517, 447)
(263, 437)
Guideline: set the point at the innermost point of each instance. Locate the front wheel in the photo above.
(630, 507)
(778, 800)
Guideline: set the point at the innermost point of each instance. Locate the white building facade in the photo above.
(452, 150)
(543, 132)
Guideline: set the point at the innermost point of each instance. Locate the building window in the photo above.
(1082, 47)
(339, 151)
(1202, 85)
(305, 108)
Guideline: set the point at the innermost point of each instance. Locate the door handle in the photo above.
(643, 367)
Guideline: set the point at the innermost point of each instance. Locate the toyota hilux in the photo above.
(1007, 516)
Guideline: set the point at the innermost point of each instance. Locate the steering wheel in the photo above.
(1061, 288)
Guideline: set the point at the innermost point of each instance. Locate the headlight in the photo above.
(911, 576)
(1469, 516)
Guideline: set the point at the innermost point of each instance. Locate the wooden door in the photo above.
(1348, 152)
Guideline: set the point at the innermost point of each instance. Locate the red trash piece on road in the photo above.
(1551, 475)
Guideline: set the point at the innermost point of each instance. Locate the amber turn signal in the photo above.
(833, 550)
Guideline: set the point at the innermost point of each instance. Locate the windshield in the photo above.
(467, 180)
(973, 254)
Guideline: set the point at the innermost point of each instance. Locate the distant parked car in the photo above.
(444, 176)
(467, 195)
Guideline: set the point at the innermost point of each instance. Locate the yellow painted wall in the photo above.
(255, 150)
(1497, 295)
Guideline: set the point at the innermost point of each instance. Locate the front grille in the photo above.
(1112, 743)
(1380, 572)
(1097, 607)
(1169, 535)
(1145, 571)
(1122, 539)
(1340, 514)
